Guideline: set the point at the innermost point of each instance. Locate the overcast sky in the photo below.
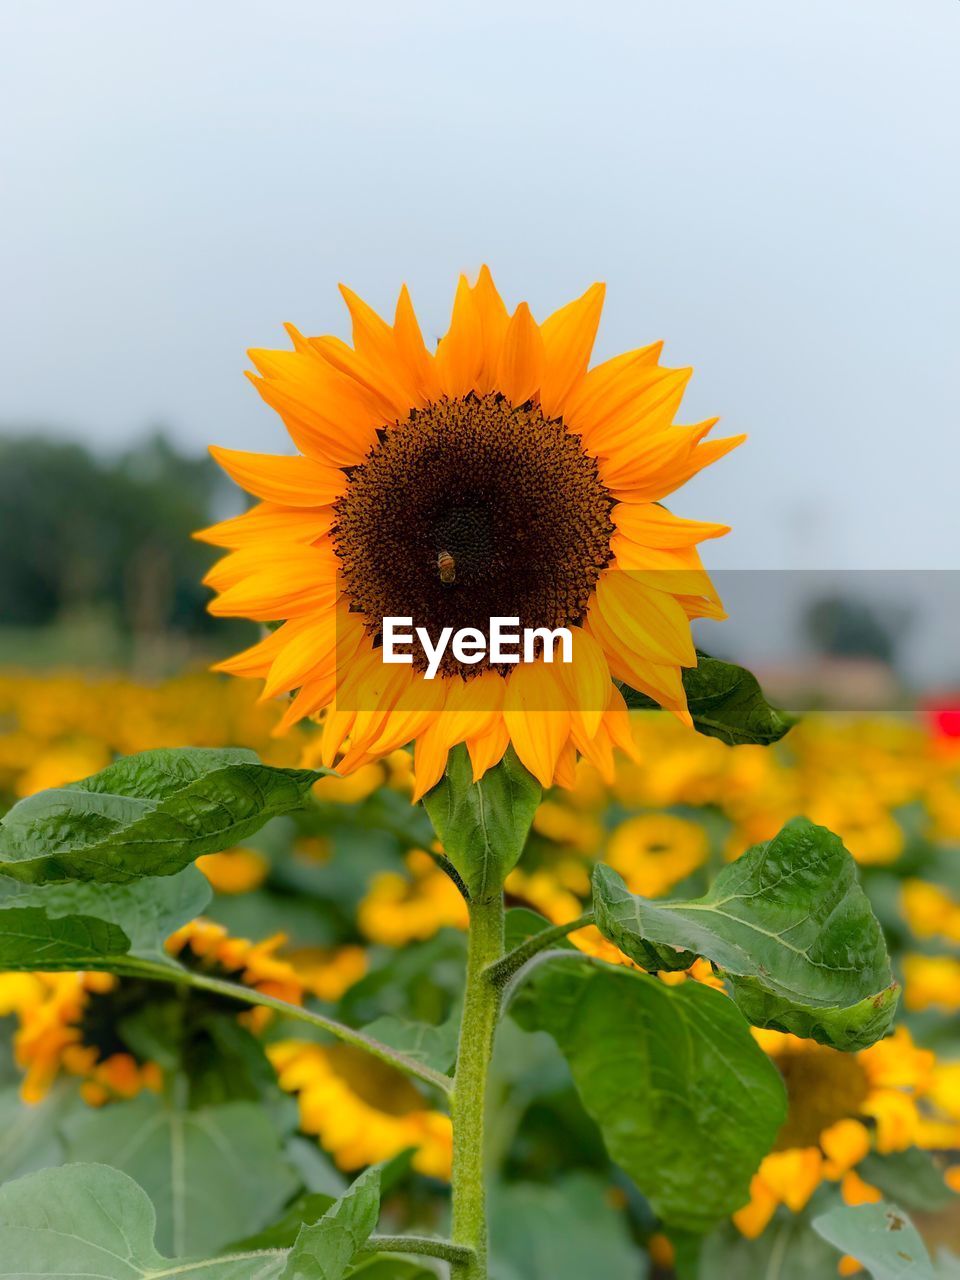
(772, 187)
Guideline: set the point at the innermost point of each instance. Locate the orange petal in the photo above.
(521, 360)
(650, 623)
(568, 338)
(256, 661)
(329, 416)
(460, 352)
(295, 482)
(493, 325)
(752, 1220)
(664, 462)
(654, 526)
(412, 349)
(608, 386)
(268, 521)
(537, 717)
(659, 681)
(656, 397)
(587, 681)
(487, 749)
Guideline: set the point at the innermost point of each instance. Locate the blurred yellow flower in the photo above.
(654, 851)
(931, 982)
(50, 1009)
(931, 912)
(362, 1110)
(841, 1106)
(399, 908)
(235, 870)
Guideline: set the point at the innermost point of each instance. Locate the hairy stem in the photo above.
(248, 995)
(422, 1246)
(503, 970)
(481, 1008)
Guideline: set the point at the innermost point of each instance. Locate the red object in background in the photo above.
(944, 717)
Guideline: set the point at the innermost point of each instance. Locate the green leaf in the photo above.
(75, 925)
(283, 1233)
(29, 1136)
(386, 1267)
(787, 924)
(787, 1250)
(687, 1103)
(909, 1177)
(90, 1220)
(483, 825)
(326, 1250)
(30, 939)
(726, 702)
(562, 1231)
(434, 1047)
(213, 1174)
(146, 815)
(881, 1237)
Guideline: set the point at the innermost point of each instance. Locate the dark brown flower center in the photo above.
(823, 1086)
(472, 509)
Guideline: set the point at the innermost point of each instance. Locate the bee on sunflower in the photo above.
(498, 477)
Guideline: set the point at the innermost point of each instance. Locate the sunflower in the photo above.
(361, 1110)
(61, 1029)
(841, 1106)
(498, 476)
(655, 851)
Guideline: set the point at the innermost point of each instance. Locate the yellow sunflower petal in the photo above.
(412, 349)
(460, 352)
(488, 748)
(291, 481)
(568, 338)
(651, 525)
(268, 520)
(521, 360)
(651, 623)
(537, 717)
(494, 318)
(609, 387)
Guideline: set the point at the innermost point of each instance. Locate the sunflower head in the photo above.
(498, 476)
(841, 1106)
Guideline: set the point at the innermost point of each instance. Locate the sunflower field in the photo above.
(338, 962)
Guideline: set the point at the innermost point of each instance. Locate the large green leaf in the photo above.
(881, 1237)
(787, 1250)
(910, 1177)
(726, 702)
(563, 1230)
(686, 1101)
(78, 925)
(146, 815)
(433, 1046)
(29, 1137)
(89, 1220)
(325, 1250)
(788, 925)
(483, 825)
(214, 1174)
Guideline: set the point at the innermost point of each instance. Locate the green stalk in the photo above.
(481, 1008)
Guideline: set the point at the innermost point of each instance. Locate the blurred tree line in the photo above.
(81, 532)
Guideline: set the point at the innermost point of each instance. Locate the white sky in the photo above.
(772, 187)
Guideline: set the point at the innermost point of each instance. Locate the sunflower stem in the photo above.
(162, 972)
(503, 970)
(481, 1008)
(422, 1246)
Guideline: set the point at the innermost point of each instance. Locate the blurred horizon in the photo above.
(770, 189)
